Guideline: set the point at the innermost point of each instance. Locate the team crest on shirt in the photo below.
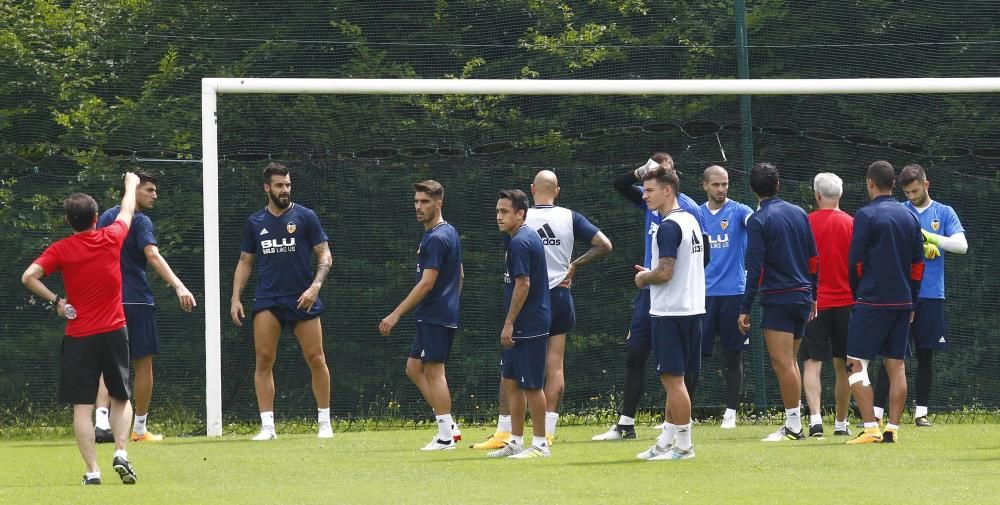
(290, 227)
(724, 224)
(935, 224)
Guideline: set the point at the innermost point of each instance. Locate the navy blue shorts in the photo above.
(563, 311)
(878, 333)
(84, 360)
(722, 314)
(432, 343)
(143, 339)
(525, 362)
(929, 326)
(640, 332)
(677, 344)
(826, 336)
(285, 309)
(787, 317)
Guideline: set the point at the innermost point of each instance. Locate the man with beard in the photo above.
(284, 235)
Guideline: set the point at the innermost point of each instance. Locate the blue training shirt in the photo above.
(781, 260)
(653, 221)
(940, 219)
(135, 286)
(886, 260)
(525, 256)
(727, 236)
(441, 250)
(283, 245)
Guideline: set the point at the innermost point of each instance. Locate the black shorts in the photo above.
(563, 311)
(640, 331)
(786, 317)
(722, 315)
(826, 336)
(84, 360)
(143, 339)
(432, 343)
(286, 310)
(677, 344)
(525, 362)
(929, 326)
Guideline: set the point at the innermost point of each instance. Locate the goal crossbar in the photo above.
(212, 87)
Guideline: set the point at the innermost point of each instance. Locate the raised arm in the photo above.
(625, 185)
(128, 199)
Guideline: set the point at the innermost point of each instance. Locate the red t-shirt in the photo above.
(832, 230)
(90, 263)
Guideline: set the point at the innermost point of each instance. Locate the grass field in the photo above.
(957, 463)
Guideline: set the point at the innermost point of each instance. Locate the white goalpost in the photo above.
(211, 88)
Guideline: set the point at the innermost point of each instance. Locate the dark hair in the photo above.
(144, 177)
(912, 173)
(882, 174)
(517, 198)
(433, 188)
(664, 177)
(764, 180)
(80, 211)
(274, 168)
(663, 159)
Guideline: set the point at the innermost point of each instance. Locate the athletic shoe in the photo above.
(783, 434)
(550, 439)
(507, 451)
(923, 422)
(660, 426)
(617, 432)
(846, 432)
(437, 444)
(532, 452)
(94, 481)
(728, 423)
(266, 434)
(673, 454)
(653, 451)
(146, 437)
(325, 431)
(816, 431)
(103, 436)
(498, 440)
(890, 437)
(869, 436)
(124, 469)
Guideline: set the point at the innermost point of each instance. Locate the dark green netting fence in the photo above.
(91, 89)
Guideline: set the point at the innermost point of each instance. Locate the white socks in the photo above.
(920, 411)
(445, 424)
(503, 425)
(891, 427)
(121, 454)
(793, 420)
(139, 425)
(322, 417)
(517, 439)
(551, 420)
(666, 438)
(101, 420)
(815, 419)
(267, 421)
(626, 421)
(539, 442)
(684, 437)
(840, 425)
(879, 412)
(730, 413)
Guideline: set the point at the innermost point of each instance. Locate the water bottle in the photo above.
(70, 311)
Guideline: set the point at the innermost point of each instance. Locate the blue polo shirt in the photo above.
(135, 285)
(939, 219)
(441, 250)
(725, 275)
(525, 257)
(283, 246)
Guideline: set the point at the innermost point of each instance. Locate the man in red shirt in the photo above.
(96, 341)
(826, 335)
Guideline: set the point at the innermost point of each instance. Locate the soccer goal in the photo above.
(785, 144)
